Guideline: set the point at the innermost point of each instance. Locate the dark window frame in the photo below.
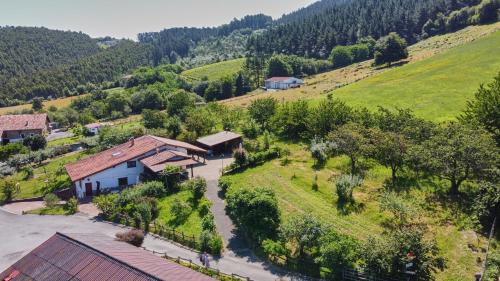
(131, 164)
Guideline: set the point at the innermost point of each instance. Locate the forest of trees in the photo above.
(315, 30)
(26, 50)
(174, 43)
(63, 80)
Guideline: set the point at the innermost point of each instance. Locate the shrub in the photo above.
(204, 207)
(319, 151)
(216, 245)
(224, 184)
(143, 214)
(51, 200)
(133, 236)
(153, 189)
(345, 186)
(180, 209)
(11, 149)
(9, 189)
(273, 248)
(240, 157)
(171, 177)
(6, 170)
(198, 187)
(107, 204)
(35, 142)
(72, 205)
(208, 223)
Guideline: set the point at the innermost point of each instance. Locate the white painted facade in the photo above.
(291, 82)
(107, 180)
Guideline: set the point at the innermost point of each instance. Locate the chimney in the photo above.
(26, 125)
(132, 140)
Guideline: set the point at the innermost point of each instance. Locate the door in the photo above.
(88, 189)
(123, 182)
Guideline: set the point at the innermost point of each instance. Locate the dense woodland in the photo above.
(315, 30)
(170, 44)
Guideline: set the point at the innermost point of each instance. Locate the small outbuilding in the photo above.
(283, 83)
(223, 142)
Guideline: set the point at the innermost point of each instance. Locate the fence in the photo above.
(212, 272)
(359, 275)
(303, 266)
(189, 241)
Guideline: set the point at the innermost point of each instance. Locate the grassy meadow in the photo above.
(436, 88)
(214, 71)
(59, 103)
(293, 186)
(440, 75)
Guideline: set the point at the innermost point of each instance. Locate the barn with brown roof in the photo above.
(123, 165)
(222, 142)
(92, 257)
(14, 128)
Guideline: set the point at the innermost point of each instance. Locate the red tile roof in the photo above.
(95, 257)
(160, 161)
(120, 154)
(23, 122)
(278, 79)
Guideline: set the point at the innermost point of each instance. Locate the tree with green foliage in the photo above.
(35, 142)
(389, 149)
(303, 231)
(37, 104)
(10, 149)
(200, 122)
(341, 56)
(327, 116)
(278, 67)
(181, 210)
(153, 119)
(292, 119)
(262, 110)
(390, 254)
(485, 108)
(390, 48)
(198, 187)
(459, 152)
(255, 211)
(338, 251)
(350, 140)
(179, 103)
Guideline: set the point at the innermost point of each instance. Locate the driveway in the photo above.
(21, 234)
(58, 134)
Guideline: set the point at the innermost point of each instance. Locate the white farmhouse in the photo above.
(283, 83)
(123, 165)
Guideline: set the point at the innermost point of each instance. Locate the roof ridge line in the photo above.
(107, 255)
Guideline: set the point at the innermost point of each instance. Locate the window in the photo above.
(122, 182)
(131, 164)
(22, 136)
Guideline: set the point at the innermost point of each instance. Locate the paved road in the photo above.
(21, 234)
(58, 134)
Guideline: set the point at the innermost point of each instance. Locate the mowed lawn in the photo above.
(436, 88)
(191, 226)
(293, 186)
(214, 71)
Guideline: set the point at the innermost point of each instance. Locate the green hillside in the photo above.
(214, 71)
(436, 88)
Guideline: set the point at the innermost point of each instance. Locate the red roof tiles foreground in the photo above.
(23, 122)
(95, 257)
(120, 154)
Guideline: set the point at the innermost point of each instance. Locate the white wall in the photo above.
(109, 178)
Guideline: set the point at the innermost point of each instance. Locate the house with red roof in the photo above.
(92, 257)
(124, 165)
(14, 128)
(283, 83)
